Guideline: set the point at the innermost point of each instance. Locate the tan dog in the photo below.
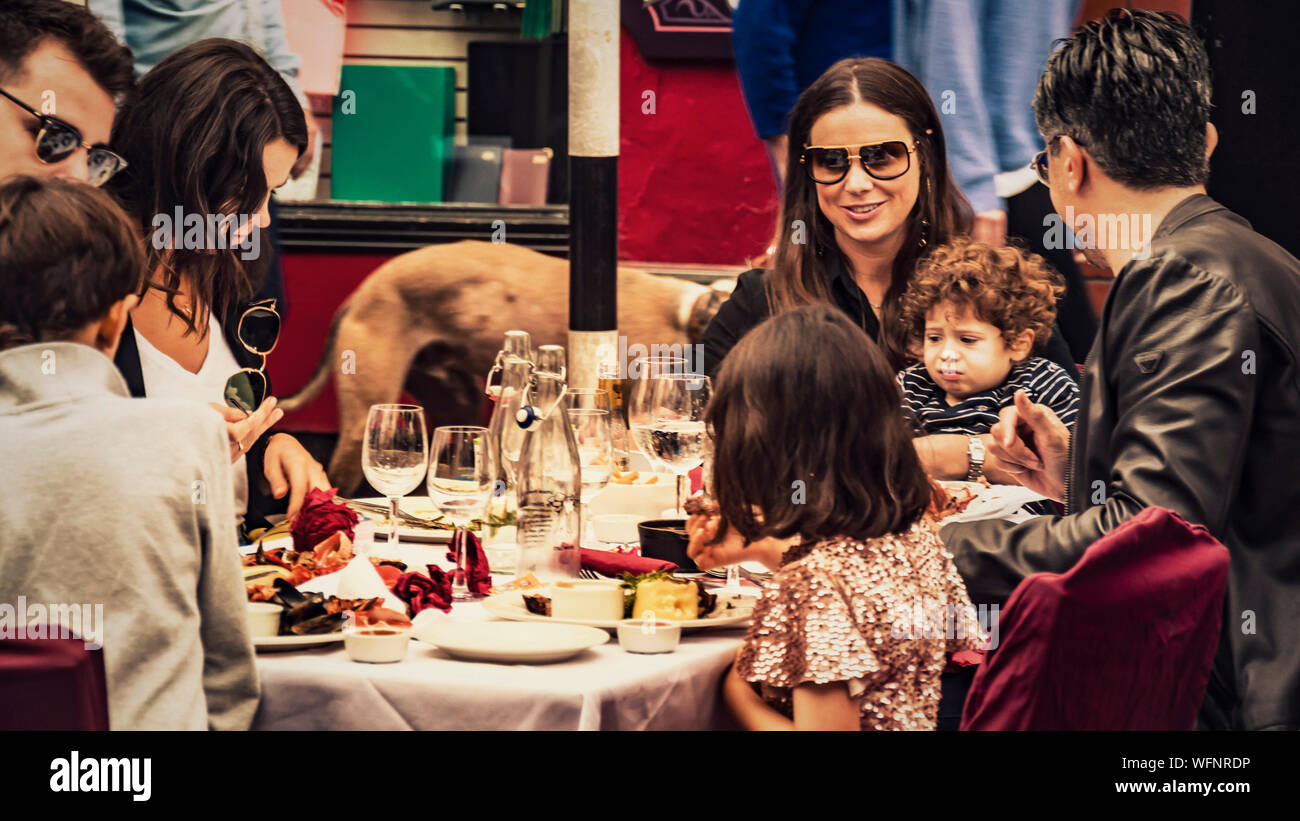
(432, 320)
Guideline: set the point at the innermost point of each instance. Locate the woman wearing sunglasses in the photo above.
(212, 130)
(867, 193)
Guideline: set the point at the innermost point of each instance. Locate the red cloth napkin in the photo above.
(320, 518)
(478, 576)
(420, 591)
(616, 564)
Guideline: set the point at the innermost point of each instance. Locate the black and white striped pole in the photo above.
(593, 188)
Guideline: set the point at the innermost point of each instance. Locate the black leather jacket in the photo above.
(1191, 401)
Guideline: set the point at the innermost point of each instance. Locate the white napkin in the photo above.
(358, 580)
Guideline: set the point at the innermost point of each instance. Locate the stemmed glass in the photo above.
(640, 398)
(394, 454)
(459, 485)
(590, 418)
(676, 428)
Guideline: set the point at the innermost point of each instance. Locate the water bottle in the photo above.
(549, 476)
(505, 384)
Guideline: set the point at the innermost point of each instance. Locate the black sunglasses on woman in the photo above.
(258, 332)
(57, 140)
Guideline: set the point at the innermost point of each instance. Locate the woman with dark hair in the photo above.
(867, 193)
(834, 642)
(208, 134)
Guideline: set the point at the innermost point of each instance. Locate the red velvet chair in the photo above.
(52, 684)
(1122, 641)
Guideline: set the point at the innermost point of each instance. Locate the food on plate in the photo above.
(308, 614)
(298, 566)
(950, 498)
(538, 604)
(666, 596)
(632, 477)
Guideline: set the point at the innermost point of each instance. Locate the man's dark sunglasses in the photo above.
(57, 140)
(1039, 162)
(828, 164)
(258, 332)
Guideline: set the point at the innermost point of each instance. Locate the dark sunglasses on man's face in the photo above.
(828, 164)
(258, 331)
(57, 140)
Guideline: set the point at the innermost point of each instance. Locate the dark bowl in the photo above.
(666, 539)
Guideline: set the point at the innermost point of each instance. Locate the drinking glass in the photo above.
(593, 431)
(676, 427)
(394, 454)
(460, 483)
(642, 373)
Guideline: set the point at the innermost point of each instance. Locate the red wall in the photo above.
(695, 184)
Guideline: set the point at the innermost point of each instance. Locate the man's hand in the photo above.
(310, 150)
(244, 429)
(1031, 443)
(291, 469)
(990, 227)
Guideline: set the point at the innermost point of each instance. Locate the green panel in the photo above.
(393, 130)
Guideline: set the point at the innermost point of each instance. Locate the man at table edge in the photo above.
(1190, 398)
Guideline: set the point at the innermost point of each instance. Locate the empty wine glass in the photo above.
(394, 454)
(460, 483)
(593, 431)
(676, 426)
(642, 373)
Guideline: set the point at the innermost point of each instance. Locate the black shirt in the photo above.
(748, 306)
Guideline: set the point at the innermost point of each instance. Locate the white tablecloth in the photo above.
(602, 689)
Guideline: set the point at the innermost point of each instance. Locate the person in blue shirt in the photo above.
(782, 46)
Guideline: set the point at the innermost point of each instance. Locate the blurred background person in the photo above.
(980, 60)
(782, 46)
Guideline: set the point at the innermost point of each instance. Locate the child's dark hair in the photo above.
(807, 431)
(67, 254)
(1010, 289)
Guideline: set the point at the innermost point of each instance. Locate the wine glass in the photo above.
(394, 454)
(592, 430)
(642, 375)
(676, 426)
(460, 483)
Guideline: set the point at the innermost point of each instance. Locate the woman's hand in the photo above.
(291, 469)
(708, 551)
(243, 429)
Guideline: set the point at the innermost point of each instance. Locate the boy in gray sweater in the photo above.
(107, 500)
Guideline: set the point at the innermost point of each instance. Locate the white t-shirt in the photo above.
(164, 377)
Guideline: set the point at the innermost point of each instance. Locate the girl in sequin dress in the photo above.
(855, 628)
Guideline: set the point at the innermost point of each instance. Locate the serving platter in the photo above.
(274, 643)
(510, 605)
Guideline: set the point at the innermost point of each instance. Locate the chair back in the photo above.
(1124, 640)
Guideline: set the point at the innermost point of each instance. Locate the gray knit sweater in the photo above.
(126, 503)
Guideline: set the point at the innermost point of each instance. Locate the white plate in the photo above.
(511, 643)
(420, 506)
(510, 606)
(271, 643)
(991, 502)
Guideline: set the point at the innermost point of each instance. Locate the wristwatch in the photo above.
(975, 449)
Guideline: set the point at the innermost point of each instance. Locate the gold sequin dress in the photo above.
(880, 615)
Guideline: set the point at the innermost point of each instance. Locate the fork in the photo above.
(590, 575)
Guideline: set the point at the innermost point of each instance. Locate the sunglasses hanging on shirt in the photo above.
(258, 332)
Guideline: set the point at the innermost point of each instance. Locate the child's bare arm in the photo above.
(825, 707)
(751, 712)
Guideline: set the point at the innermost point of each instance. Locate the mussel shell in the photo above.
(326, 623)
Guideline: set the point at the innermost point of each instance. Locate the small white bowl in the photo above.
(586, 599)
(377, 644)
(263, 619)
(649, 635)
(615, 528)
